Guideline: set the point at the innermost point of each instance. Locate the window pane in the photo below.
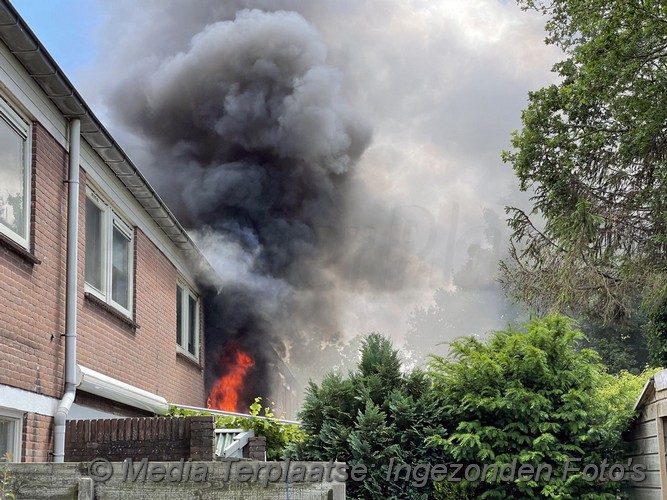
(93, 271)
(192, 325)
(120, 272)
(6, 436)
(12, 180)
(179, 316)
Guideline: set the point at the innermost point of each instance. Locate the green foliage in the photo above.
(371, 416)
(537, 396)
(656, 332)
(593, 149)
(446, 490)
(6, 479)
(622, 344)
(278, 434)
(617, 392)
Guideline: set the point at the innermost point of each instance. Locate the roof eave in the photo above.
(42, 68)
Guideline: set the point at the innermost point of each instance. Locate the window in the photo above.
(10, 435)
(14, 175)
(108, 270)
(187, 320)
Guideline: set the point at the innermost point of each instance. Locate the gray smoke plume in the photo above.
(240, 122)
(254, 144)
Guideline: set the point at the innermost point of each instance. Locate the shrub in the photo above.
(278, 434)
(371, 416)
(6, 479)
(533, 395)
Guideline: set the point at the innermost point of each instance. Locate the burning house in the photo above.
(105, 293)
(100, 302)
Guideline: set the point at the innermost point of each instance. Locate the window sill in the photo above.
(10, 244)
(111, 310)
(189, 359)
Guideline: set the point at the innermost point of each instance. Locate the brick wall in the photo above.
(37, 437)
(33, 295)
(159, 438)
(32, 311)
(146, 356)
(256, 449)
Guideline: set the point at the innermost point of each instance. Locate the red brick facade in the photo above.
(32, 296)
(32, 309)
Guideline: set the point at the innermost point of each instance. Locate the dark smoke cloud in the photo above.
(244, 126)
(254, 143)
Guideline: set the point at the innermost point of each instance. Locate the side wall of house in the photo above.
(646, 448)
(32, 305)
(144, 355)
(32, 295)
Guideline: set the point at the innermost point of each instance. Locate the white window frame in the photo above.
(23, 128)
(111, 219)
(186, 293)
(17, 417)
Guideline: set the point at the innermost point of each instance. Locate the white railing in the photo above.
(229, 443)
(234, 414)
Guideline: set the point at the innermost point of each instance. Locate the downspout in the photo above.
(71, 295)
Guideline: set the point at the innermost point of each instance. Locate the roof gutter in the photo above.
(71, 294)
(42, 68)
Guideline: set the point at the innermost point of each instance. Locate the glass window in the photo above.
(192, 325)
(6, 437)
(14, 175)
(109, 254)
(120, 272)
(179, 315)
(10, 439)
(187, 320)
(93, 273)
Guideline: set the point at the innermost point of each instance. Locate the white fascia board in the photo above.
(110, 388)
(30, 98)
(22, 90)
(102, 176)
(26, 401)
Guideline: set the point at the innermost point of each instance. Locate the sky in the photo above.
(441, 85)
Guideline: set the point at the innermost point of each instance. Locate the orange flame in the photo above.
(225, 392)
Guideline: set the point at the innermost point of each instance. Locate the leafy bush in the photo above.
(371, 416)
(6, 479)
(535, 396)
(278, 434)
(655, 330)
(446, 490)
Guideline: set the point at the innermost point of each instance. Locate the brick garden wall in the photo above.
(158, 438)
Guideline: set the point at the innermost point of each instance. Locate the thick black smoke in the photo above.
(443, 84)
(254, 144)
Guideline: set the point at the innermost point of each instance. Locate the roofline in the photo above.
(640, 399)
(43, 69)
